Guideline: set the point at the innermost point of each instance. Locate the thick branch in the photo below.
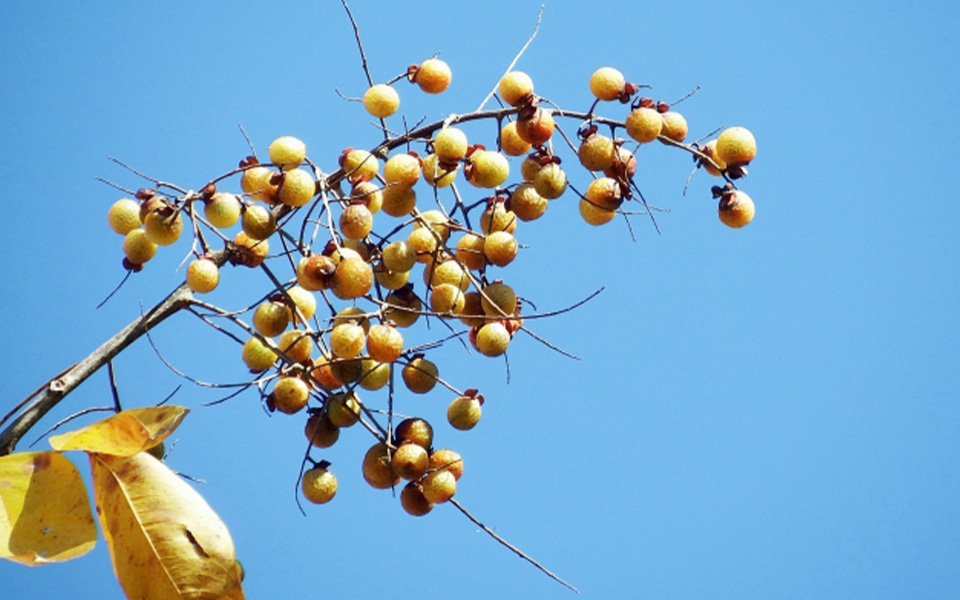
(57, 389)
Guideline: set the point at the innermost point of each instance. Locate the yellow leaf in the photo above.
(125, 433)
(166, 543)
(44, 511)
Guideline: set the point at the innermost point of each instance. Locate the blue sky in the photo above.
(761, 413)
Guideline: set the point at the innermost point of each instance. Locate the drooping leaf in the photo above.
(44, 511)
(125, 433)
(166, 543)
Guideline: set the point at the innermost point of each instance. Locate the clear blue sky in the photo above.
(762, 413)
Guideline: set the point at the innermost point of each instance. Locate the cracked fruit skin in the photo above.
(124, 216)
(736, 146)
(203, 275)
(319, 485)
(381, 100)
(287, 152)
(736, 209)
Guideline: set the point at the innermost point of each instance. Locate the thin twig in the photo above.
(514, 61)
(511, 547)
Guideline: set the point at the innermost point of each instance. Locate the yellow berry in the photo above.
(352, 279)
(644, 124)
(222, 210)
(470, 251)
(271, 318)
(360, 165)
(594, 215)
(163, 225)
(736, 209)
(346, 340)
(597, 152)
(319, 485)
(258, 222)
(398, 201)
(550, 181)
(607, 83)
(447, 298)
(498, 300)
(500, 248)
(297, 188)
(419, 375)
(413, 501)
(256, 183)
(410, 461)
(464, 412)
(320, 431)
(384, 343)
(305, 302)
(515, 86)
(526, 203)
(710, 149)
(203, 275)
(492, 338)
(439, 173)
(137, 247)
(124, 216)
(356, 221)
(399, 256)
(290, 395)
(401, 170)
(381, 100)
(450, 144)
(674, 126)
(257, 355)
(604, 193)
(439, 486)
(736, 146)
(343, 410)
(287, 152)
(296, 344)
(377, 469)
(510, 141)
(433, 76)
(538, 128)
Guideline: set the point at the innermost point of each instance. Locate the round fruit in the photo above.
(450, 144)
(251, 251)
(381, 100)
(538, 128)
(323, 374)
(604, 193)
(736, 146)
(377, 469)
(398, 201)
(433, 76)
(424, 242)
(439, 174)
(255, 182)
(257, 355)
(447, 459)
(271, 318)
(297, 188)
(498, 300)
(258, 222)
(529, 168)
(644, 124)
(368, 193)
(526, 203)
(736, 209)
(287, 152)
(375, 374)
(399, 256)
(402, 308)
(296, 344)
(464, 413)
(439, 486)
(290, 394)
(510, 141)
(124, 216)
(550, 181)
(391, 280)
(137, 247)
(472, 313)
(352, 279)
(410, 461)
(416, 430)
(492, 339)
(489, 169)
(343, 410)
(203, 275)
(319, 485)
(500, 248)
(384, 343)
(360, 165)
(448, 271)
(597, 152)
(320, 432)
(496, 217)
(222, 210)
(401, 170)
(413, 501)
(710, 149)
(305, 302)
(346, 340)
(607, 83)
(447, 298)
(356, 221)
(346, 371)
(470, 251)
(674, 126)
(514, 87)
(420, 375)
(623, 167)
(594, 215)
(163, 225)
